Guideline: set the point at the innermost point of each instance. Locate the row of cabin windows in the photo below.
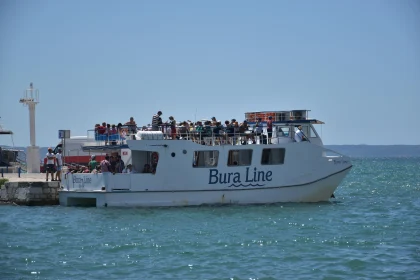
(239, 157)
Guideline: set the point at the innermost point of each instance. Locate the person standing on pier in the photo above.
(50, 164)
(59, 160)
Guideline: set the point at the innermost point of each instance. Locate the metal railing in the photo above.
(122, 134)
(207, 136)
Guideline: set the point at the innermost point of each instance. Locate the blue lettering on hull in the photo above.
(81, 181)
(253, 177)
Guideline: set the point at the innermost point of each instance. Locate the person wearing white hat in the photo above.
(92, 163)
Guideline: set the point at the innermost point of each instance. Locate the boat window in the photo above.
(240, 157)
(205, 158)
(273, 156)
(56, 148)
(312, 133)
(305, 130)
(282, 131)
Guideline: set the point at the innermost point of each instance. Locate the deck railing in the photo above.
(203, 137)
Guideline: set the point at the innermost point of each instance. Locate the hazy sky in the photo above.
(355, 64)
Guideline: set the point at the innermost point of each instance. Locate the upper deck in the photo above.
(284, 127)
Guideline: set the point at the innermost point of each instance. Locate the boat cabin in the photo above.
(285, 124)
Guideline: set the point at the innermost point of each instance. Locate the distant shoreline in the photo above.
(398, 151)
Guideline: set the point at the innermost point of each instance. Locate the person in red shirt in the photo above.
(102, 128)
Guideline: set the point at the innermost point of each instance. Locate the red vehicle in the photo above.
(73, 153)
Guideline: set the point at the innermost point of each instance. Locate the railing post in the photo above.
(2, 172)
(19, 169)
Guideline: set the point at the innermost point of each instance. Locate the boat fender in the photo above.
(155, 158)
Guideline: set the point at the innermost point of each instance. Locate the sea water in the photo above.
(371, 230)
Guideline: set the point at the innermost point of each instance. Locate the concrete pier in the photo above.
(29, 189)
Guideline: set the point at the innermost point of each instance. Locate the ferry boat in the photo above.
(197, 169)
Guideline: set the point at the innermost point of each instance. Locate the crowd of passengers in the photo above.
(212, 128)
(229, 131)
(108, 132)
(184, 129)
(111, 163)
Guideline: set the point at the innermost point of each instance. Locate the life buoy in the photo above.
(155, 158)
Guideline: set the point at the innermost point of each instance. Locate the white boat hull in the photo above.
(316, 191)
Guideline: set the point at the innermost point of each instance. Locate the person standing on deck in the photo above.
(299, 135)
(120, 166)
(92, 163)
(105, 165)
(172, 123)
(270, 128)
(156, 121)
(258, 130)
(213, 121)
(113, 162)
(132, 126)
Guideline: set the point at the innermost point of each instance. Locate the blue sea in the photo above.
(371, 230)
